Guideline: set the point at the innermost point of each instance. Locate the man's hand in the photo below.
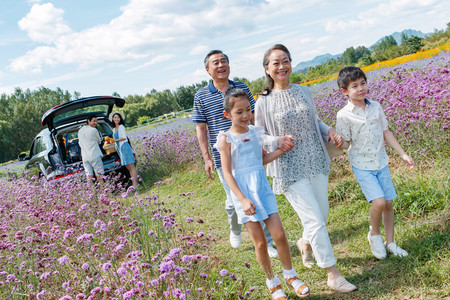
(209, 168)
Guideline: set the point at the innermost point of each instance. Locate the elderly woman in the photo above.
(287, 113)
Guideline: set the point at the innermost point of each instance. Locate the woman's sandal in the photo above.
(300, 287)
(278, 293)
(307, 255)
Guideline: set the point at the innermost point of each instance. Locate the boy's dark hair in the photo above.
(348, 74)
(231, 95)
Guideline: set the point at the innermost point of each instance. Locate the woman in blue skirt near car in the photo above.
(122, 145)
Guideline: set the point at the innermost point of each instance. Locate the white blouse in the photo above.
(122, 134)
(292, 111)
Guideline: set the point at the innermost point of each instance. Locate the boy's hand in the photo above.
(248, 207)
(335, 137)
(409, 161)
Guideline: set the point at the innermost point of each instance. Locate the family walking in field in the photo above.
(289, 136)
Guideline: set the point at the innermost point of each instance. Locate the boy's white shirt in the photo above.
(364, 129)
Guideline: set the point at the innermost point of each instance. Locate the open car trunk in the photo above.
(70, 151)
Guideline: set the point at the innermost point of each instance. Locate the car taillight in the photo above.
(67, 174)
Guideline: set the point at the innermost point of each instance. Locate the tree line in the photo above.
(21, 112)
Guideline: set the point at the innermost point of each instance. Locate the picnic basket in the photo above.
(109, 148)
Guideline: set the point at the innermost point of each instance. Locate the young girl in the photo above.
(122, 146)
(242, 160)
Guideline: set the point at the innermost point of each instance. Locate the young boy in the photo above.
(364, 128)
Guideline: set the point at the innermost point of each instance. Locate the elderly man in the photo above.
(89, 140)
(208, 117)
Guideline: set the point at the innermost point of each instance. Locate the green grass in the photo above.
(422, 228)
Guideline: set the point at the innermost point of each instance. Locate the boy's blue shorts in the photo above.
(376, 183)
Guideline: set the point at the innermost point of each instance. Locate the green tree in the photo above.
(22, 112)
(380, 48)
(349, 56)
(413, 44)
(6, 136)
(257, 86)
(160, 103)
(133, 111)
(361, 51)
(184, 95)
(366, 60)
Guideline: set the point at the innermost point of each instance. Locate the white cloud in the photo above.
(32, 60)
(202, 49)
(44, 23)
(376, 16)
(35, 84)
(145, 28)
(156, 60)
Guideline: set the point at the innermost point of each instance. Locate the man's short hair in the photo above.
(206, 61)
(348, 74)
(90, 117)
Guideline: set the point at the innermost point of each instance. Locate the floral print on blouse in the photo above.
(293, 115)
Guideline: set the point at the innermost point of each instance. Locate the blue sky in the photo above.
(97, 47)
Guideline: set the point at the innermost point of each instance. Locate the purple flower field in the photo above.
(71, 240)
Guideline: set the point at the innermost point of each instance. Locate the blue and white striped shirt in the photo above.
(208, 108)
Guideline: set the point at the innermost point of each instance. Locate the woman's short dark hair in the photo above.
(348, 74)
(266, 61)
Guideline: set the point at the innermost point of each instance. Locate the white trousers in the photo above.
(309, 198)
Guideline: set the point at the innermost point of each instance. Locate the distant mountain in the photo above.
(304, 65)
(315, 61)
(409, 32)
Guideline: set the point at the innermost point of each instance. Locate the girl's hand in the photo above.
(286, 143)
(409, 161)
(248, 207)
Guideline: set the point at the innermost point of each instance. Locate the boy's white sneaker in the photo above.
(396, 250)
(376, 245)
(235, 240)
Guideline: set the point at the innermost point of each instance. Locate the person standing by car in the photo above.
(89, 140)
(208, 117)
(122, 146)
